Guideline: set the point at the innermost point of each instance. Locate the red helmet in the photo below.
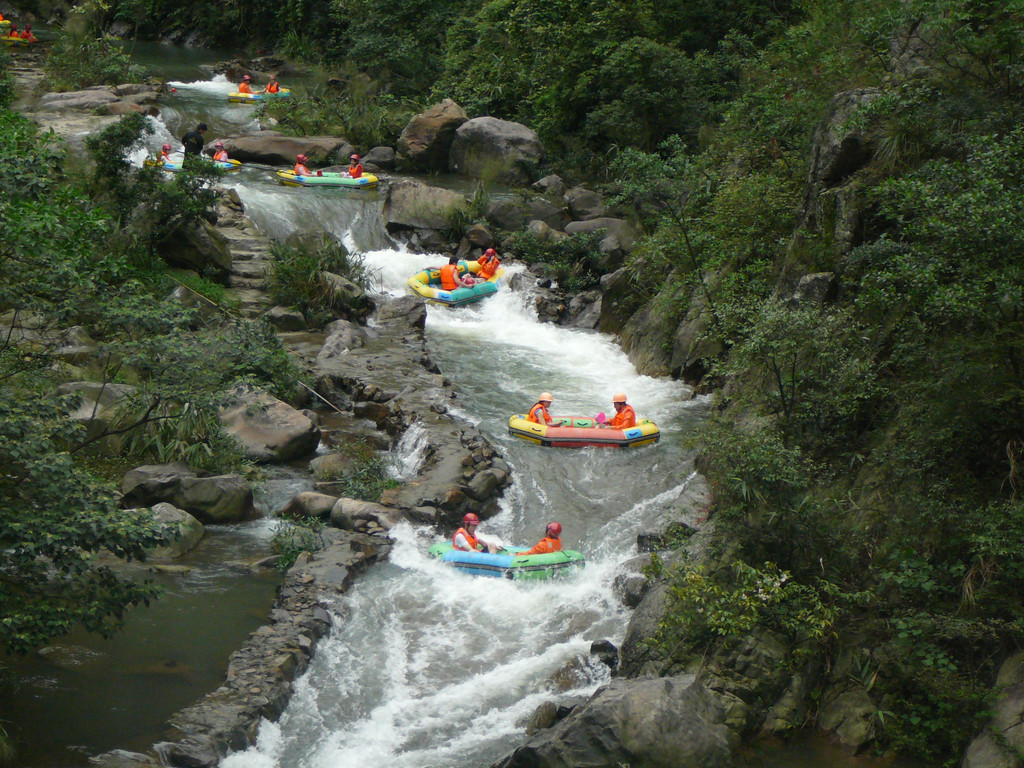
(166, 147)
(246, 78)
(554, 529)
(470, 519)
(353, 157)
(301, 158)
(490, 252)
(219, 145)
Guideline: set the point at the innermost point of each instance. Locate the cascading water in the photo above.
(427, 666)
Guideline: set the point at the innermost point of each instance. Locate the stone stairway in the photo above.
(250, 257)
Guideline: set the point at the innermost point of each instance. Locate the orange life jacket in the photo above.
(244, 88)
(448, 273)
(355, 171)
(469, 537)
(220, 157)
(542, 547)
(273, 87)
(624, 419)
(301, 170)
(165, 158)
(539, 414)
(488, 266)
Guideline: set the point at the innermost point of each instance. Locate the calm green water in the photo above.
(84, 695)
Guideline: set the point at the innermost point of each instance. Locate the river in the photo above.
(425, 666)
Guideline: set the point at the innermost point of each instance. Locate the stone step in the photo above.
(249, 268)
(249, 283)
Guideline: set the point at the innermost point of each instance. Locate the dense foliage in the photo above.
(81, 299)
(868, 445)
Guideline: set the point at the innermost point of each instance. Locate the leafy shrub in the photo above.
(6, 80)
(83, 56)
(360, 110)
(368, 477)
(293, 536)
(574, 258)
(297, 279)
(703, 608)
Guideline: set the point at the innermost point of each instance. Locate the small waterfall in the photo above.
(409, 453)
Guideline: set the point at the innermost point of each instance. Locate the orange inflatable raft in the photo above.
(582, 431)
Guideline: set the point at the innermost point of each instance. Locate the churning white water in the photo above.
(429, 667)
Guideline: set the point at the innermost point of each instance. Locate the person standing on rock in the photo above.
(193, 142)
(552, 541)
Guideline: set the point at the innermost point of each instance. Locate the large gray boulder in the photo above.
(99, 403)
(619, 228)
(496, 150)
(199, 247)
(343, 337)
(1001, 744)
(357, 515)
(186, 531)
(308, 504)
(213, 499)
(512, 214)
(267, 429)
(426, 141)
(670, 722)
(584, 203)
(271, 148)
(412, 204)
(87, 100)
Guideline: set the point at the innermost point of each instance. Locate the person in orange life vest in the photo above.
(273, 86)
(244, 86)
(450, 279)
(539, 413)
(488, 264)
(466, 539)
(355, 168)
(13, 31)
(220, 155)
(551, 542)
(300, 166)
(26, 34)
(625, 416)
(165, 154)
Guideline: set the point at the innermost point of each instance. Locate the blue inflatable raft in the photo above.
(508, 564)
(428, 285)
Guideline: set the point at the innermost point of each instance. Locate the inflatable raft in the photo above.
(327, 179)
(508, 564)
(254, 98)
(14, 42)
(224, 165)
(428, 285)
(582, 431)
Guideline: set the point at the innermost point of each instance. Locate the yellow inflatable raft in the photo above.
(428, 285)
